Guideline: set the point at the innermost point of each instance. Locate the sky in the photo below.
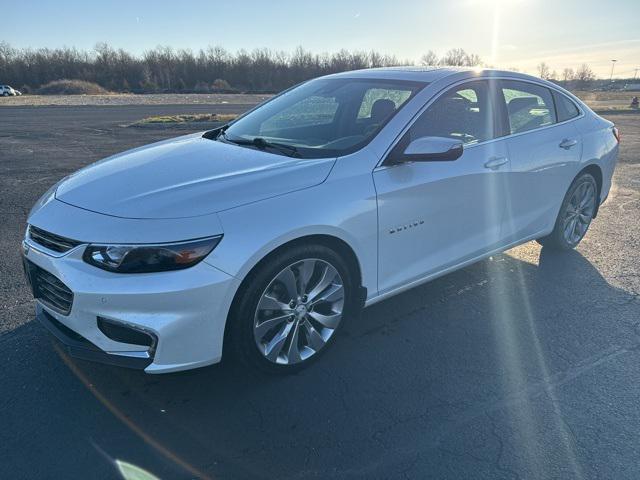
(505, 33)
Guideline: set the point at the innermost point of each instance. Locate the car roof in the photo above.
(428, 74)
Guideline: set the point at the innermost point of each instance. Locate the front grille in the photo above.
(51, 241)
(49, 289)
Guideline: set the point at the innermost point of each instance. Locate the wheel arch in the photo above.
(339, 245)
(596, 172)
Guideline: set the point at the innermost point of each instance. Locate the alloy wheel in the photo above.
(579, 213)
(299, 311)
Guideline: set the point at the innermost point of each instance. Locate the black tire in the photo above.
(556, 240)
(240, 342)
(5, 94)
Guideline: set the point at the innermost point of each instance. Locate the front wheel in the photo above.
(577, 210)
(291, 309)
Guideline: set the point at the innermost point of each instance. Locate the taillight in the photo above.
(616, 133)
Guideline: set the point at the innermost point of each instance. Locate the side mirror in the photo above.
(431, 149)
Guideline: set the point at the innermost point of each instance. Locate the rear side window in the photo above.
(465, 113)
(565, 107)
(529, 106)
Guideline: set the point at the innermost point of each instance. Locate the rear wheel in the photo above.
(577, 211)
(291, 309)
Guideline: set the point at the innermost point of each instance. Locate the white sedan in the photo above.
(261, 238)
(7, 91)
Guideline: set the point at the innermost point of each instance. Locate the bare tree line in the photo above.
(456, 57)
(580, 78)
(168, 69)
(164, 69)
(210, 69)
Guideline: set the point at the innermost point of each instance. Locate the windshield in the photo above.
(324, 117)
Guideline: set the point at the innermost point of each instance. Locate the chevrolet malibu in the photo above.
(260, 238)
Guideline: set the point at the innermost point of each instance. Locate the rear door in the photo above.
(434, 215)
(544, 154)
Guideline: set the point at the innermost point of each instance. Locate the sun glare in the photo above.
(498, 8)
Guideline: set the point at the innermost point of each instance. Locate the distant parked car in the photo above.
(6, 90)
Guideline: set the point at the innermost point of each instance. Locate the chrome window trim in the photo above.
(444, 90)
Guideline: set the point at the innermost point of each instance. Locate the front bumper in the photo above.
(184, 311)
(79, 347)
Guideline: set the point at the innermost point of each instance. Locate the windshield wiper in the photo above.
(262, 144)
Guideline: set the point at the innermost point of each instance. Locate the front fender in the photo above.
(345, 209)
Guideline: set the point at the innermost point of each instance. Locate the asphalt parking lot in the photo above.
(523, 366)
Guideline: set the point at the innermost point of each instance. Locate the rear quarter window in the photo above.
(565, 107)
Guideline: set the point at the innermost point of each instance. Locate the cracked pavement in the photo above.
(522, 366)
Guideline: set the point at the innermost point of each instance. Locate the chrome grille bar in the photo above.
(51, 241)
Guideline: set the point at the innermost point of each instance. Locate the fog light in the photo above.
(123, 333)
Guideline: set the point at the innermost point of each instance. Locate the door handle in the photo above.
(495, 162)
(567, 143)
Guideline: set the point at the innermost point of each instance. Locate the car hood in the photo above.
(187, 177)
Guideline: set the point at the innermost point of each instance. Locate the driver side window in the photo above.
(463, 113)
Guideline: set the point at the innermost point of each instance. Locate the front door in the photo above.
(435, 215)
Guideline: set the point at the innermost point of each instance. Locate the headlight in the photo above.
(149, 258)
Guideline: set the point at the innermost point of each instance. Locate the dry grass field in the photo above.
(599, 101)
(606, 100)
(133, 99)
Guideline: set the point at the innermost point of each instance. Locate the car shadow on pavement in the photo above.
(478, 373)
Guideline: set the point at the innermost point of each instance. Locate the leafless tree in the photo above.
(473, 60)
(568, 74)
(543, 71)
(584, 76)
(456, 57)
(429, 59)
